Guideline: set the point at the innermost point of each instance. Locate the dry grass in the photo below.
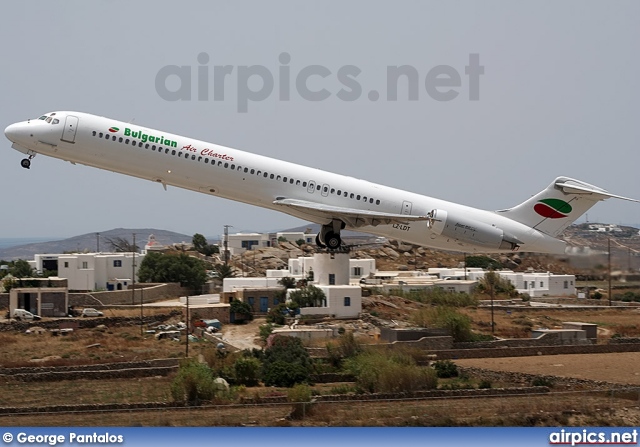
(518, 323)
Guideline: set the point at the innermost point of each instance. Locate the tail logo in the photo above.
(113, 129)
(552, 208)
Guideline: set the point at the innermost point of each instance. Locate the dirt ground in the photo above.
(622, 368)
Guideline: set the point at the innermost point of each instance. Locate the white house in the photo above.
(92, 271)
(241, 242)
(356, 269)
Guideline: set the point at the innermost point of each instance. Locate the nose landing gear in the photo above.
(26, 162)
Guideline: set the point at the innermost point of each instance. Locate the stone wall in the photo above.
(150, 293)
(149, 368)
(549, 339)
(533, 351)
(84, 323)
(564, 383)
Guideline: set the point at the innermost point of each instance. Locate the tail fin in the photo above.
(558, 206)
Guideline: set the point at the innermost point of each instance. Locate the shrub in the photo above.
(484, 384)
(383, 373)
(265, 331)
(542, 381)
(458, 324)
(445, 369)
(300, 395)
(247, 371)
(193, 384)
(286, 362)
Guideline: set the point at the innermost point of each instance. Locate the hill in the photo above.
(89, 242)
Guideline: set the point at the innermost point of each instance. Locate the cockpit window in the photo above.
(43, 117)
(48, 120)
(56, 121)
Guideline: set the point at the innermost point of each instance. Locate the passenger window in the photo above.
(252, 171)
(126, 141)
(193, 157)
(199, 158)
(339, 192)
(304, 184)
(226, 165)
(246, 170)
(153, 148)
(113, 137)
(291, 181)
(278, 178)
(206, 160)
(266, 174)
(351, 196)
(146, 146)
(121, 139)
(370, 200)
(272, 176)
(101, 134)
(134, 142)
(94, 133)
(233, 166)
(358, 197)
(297, 182)
(364, 199)
(179, 154)
(377, 202)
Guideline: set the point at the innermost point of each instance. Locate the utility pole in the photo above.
(226, 244)
(609, 262)
(187, 345)
(133, 271)
(97, 242)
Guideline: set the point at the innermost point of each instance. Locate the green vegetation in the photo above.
(193, 384)
(188, 271)
(445, 369)
(201, 245)
(493, 284)
(449, 318)
(390, 372)
(484, 262)
(309, 296)
(240, 308)
(223, 271)
(286, 362)
(438, 297)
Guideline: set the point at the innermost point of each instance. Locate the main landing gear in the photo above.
(329, 235)
(26, 162)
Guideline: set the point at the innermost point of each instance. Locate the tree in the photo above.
(202, 246)
(287, 282)
(21, 269)
(188, 271)
(309, 296)
(484, 262)
(241, 308)
(121, 245)
(223, 271)
(286, 362)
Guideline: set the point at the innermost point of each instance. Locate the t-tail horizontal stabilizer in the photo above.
(559, 205)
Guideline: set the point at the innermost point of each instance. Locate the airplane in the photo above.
(335, 201)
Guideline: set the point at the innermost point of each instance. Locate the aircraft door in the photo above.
(311, 187)
(406, 207)
(70, 129)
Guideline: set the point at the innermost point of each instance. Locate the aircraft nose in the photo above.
(12, 132)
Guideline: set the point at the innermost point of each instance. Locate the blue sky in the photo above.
(558, 96)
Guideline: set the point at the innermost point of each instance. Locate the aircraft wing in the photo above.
(352, 217)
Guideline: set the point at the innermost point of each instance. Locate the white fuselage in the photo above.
(242, 176)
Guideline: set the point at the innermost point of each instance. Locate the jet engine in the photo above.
(467, 230)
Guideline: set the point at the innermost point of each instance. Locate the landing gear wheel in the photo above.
(318, 242)
(332, 240)
(25, 163)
